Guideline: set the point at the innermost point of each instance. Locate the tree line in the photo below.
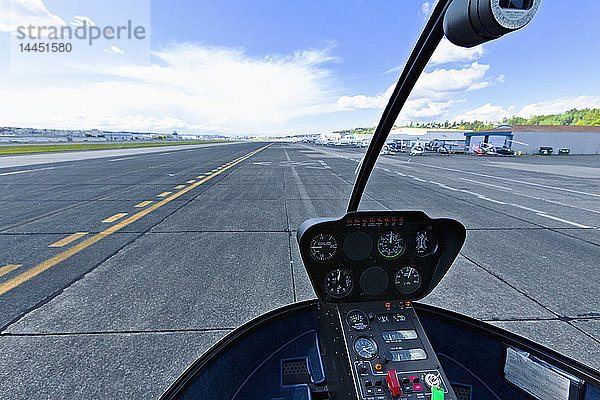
(583, 117)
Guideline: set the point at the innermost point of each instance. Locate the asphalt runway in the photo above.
(116, 273)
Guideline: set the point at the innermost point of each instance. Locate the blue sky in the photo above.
(265, 66)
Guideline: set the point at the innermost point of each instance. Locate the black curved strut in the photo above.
(426, 45)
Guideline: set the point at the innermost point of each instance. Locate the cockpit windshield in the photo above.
(158, 158)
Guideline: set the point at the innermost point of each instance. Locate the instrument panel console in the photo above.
(389, 353)
(378, 255)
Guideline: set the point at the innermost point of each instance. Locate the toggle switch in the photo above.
(392, 380)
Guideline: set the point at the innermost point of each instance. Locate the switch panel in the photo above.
(389, 353)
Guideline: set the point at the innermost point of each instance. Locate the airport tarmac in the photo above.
(117, 272)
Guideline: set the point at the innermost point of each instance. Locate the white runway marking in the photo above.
(485, 184)
(22, 172)
(121, 159)
(444, 186)
(513, 180)
(563, 220)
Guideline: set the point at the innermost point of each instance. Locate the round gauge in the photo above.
(425, 243)
(408, 280)
(338, 283)
(323, 247)
(357, 320)
(365, 347)
(390, 245)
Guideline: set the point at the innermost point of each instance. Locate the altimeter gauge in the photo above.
(338, 283)
(323, 247)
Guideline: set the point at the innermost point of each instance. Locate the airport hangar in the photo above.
(528, 139)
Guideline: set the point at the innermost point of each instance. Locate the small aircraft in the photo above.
(417, 149)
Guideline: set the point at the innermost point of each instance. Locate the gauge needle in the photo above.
(339, 275)
(409, 272)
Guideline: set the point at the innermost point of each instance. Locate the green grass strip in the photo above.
(45, 148)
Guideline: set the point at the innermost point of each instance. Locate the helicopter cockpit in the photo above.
(366, 337)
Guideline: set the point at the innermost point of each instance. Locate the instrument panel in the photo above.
(378, 255)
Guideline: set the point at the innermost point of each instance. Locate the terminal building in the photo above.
(528, 139)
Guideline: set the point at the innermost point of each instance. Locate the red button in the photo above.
(417, 387)
(392, 380)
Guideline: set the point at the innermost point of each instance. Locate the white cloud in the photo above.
(486, 113)
(559, 105)
(441, 82)
(24, 13)
(447, 52)
(80, 20)
(427, 7)
(424, 109)
(192, 88)
(114, 49)
(432, 95)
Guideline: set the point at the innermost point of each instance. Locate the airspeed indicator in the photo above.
(390, 245)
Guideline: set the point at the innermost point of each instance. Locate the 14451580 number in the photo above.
(45, 47)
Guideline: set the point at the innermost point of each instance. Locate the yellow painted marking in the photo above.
(22, 172)
(191, 181)
(68, 239)
(179, 186)
(121, 159)
(213, 170)
(200, 176)
(114, 217)
(163, 194)
(38, 269)
(8, 268)
(143, 204)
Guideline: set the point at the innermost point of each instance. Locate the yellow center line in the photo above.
(29, 170)
(163, 194)
(8, 268)
(179, 187)
(38, 269)
(68, 239)
(114, 217)
(143, 204)
(191, 181)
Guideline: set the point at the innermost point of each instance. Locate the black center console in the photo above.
(366, 268)
(389, 353)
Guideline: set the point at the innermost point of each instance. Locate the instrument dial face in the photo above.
(338, 283)
(408, 280)
(390, 245)
(425, 243)
(366, 348)
(323, 247)
(357, 320)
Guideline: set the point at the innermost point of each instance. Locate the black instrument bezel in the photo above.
(450, 236)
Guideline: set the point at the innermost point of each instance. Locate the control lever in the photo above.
(393, 383)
